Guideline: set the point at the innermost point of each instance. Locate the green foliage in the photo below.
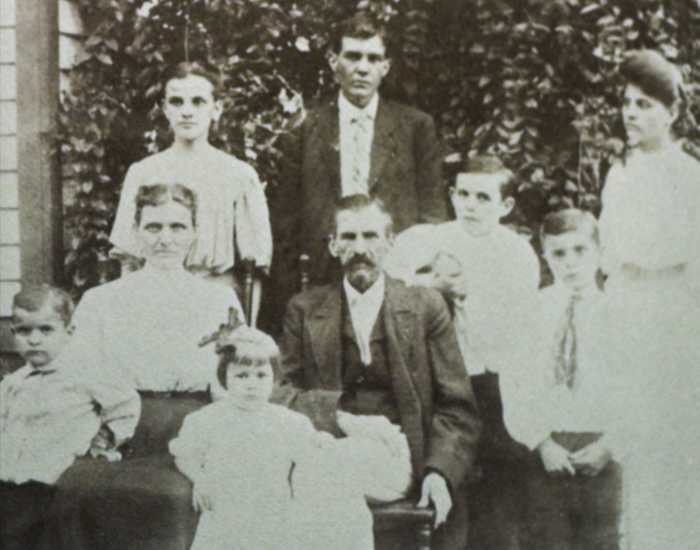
(530, 80)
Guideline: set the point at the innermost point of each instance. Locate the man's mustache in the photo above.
(360, 259)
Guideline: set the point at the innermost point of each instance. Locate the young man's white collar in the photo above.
(364, 310)
(348, 111)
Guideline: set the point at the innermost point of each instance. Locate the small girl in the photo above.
(232, 210)
(262, 476)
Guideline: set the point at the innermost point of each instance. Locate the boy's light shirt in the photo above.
(502, 275)
(47, 420)
(360, 148)
(534, 404)
(364, 310)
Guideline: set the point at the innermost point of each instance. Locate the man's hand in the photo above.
(591, 460)
(555, 458)
(434, 489)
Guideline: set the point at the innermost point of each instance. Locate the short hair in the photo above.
(568, 220)
(360, 26)
(482, 164)
(654, 75)
(357, 202)
(34, 297)
(162, 193)
(247, 354)
(187, 68)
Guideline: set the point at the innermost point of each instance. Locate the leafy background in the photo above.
(533, 81)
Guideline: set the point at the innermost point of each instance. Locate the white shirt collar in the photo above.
(349, 111)
(586, 295)
(374, 295)
(364, 311)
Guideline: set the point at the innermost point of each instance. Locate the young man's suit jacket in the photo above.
(405, 172)
(434, 396)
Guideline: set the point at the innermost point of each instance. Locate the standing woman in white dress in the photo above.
(650, 234)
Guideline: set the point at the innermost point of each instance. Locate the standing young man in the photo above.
(355, 143)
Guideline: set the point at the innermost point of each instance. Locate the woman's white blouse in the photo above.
(650, 215)
(147, 324)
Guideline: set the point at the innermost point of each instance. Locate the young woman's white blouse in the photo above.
(650, 216)
(146, 326)
(232, 210)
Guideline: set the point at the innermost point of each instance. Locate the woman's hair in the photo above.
(652, 73)
(33, 298)
(246, 354)
(567, 221)
(162, 193)
(187, 68)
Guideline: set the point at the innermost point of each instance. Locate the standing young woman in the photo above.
(232, 213)
(650, 234)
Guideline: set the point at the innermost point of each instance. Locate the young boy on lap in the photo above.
(560, 400)
(52, 410)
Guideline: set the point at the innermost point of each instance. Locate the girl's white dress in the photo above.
(248, 463)
(650, 236)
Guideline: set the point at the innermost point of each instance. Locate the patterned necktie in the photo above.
(566, 353)
(360, 156)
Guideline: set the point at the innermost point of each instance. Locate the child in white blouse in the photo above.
(232, 211)
(262, 476)
(564, 398)
(489, 274)
(52, 411)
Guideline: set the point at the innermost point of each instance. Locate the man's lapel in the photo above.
(383, 146)
(329, 132)
(324, 338)
(399, 320)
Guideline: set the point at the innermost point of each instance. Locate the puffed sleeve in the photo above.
(192, 444)
(122, 235)
(304, 440)
(253, 235)
(414, 249)
(606, 224)
(120, 405)
(89, 344)
(526, 409)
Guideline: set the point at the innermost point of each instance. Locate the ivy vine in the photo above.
(531, 80)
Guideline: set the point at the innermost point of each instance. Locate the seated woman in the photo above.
(146, 325)
(145, 328)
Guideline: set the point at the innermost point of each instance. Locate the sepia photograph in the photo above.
(349, 274)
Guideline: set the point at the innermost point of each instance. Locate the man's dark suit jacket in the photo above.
(405, 172)
(436, 405)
